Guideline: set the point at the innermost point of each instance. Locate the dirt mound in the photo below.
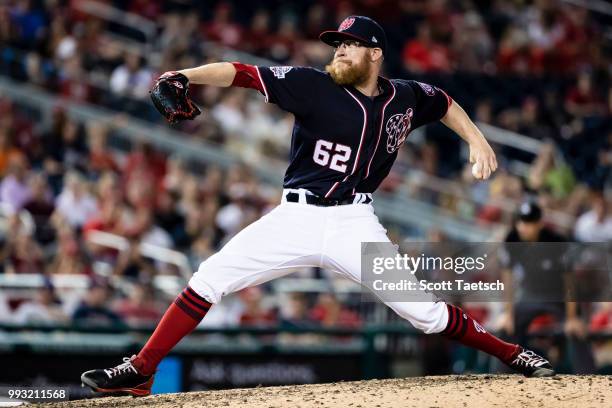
(444, 391)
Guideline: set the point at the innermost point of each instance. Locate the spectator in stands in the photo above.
(73, 80)
(100, 157)
(282, 45)
(108, 188)
(200, 218)
(132, 78)
(41, 206)
(143, 172)
(21, 253)
(29, 22)
(108, 219)
(294, 312)
(423, 54)
(595, 225)
(94, 309)
(168, 217)
(133, 265)
(545, 33)
(72, 148)
(70, 257)
(142, 225)
(44, 309)
(8, 151)
(62, 45)
(229, 113)
(190, 194)
(49, 155)
(238, 213)
(472, 45)
(257, 40)
(175, 176)
(547, 172)
(221, 28)
(583, 99)
(76, 204)
(140, 307)
(329, 312)
(14, 188)
(254, 312)
(513, 55)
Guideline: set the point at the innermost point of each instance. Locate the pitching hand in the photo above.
(483, 158)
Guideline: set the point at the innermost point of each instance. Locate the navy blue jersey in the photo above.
(343, 141)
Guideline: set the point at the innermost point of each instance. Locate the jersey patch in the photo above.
(397, 128)
(346, 24)
(428, 89)
(280, 72)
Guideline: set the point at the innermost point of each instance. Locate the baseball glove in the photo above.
(170, 95)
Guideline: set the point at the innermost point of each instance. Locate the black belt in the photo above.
(322, 201)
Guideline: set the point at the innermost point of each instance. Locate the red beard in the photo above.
(349, 74)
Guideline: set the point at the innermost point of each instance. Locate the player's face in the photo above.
(351, 64)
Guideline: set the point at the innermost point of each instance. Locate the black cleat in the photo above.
(531, 365)
(122, 379)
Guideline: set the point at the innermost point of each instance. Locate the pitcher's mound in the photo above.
(444, 391)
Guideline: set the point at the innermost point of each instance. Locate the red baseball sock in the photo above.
(469, 332)
(183, 315)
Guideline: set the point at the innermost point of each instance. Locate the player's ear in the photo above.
(376, 54)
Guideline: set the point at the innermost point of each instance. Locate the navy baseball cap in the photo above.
(529, 211)
(360, 28)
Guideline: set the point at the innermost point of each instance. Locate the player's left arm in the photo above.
(481, 152)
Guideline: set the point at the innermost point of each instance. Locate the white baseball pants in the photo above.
(297, 235)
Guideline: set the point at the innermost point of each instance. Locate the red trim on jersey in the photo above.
(449, 100)
(247, 76)
(382, 119)
(263, 84)
(363, 131)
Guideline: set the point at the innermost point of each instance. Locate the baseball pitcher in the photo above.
(349, 124)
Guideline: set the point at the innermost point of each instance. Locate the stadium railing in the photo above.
(369, 342)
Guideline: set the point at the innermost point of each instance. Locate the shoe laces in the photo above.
(121, 368)
(530, 359)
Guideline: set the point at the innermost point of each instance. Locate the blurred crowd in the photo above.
(539, 68)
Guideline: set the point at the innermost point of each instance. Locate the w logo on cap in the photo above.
(346, 24)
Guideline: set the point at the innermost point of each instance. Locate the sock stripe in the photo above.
(460, 322)
(464, 327)
(199, 299)
(456, 320)
(185, 308)
(187, 298)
